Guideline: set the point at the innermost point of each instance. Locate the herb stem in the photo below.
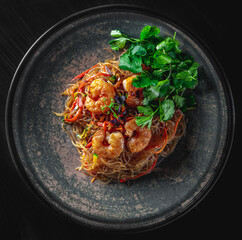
(169, 72)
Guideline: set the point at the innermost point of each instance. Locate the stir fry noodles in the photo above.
(118, 133)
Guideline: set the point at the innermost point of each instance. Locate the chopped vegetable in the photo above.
(81, 75)
(99, 74)
(73, 119)
(89, 145)
(83, 135)
(95, 157)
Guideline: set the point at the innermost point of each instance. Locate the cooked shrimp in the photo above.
(108, 145)
(139, 136)
(100, 93)
(132, 99)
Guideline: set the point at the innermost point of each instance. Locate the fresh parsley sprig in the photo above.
(169, 72)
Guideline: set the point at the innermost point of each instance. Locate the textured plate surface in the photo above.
(46, 159)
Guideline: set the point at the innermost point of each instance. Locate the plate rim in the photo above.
(98, 224)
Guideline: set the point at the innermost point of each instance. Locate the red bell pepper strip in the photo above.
(81, 85)
(79, 111)
(83, 73)
(73, 105)
(76, 101)
(89, 145)
(175, 128)
(99, 74)
(105, 126)
(73, 119)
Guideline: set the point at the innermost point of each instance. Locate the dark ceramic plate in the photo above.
(46, 159)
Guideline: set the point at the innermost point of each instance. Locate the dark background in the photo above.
(23, 215)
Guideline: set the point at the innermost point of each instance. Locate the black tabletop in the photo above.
(22, 22)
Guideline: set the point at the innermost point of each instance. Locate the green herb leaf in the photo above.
(166, 109)
(162, 59)
(149, 31)
(179, 100)
(130, 62)
(187, 78)
(144, 120)
(153, 92)
(145, 110)
(117, 34)
(138, 50)
(118, 43)
(169, 44)
(144, 80)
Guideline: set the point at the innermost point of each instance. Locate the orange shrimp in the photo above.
(100, 93)
(139, 136)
